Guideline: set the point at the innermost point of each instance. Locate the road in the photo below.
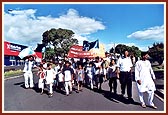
(17, 98)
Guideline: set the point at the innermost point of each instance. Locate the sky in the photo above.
(135, 24)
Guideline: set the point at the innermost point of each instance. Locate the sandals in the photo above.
(143, 105)
(153, 106)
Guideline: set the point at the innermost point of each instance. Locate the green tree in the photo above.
(49, 53)
(156, 52)
(120, 48)
(135, 51)
(61, 39)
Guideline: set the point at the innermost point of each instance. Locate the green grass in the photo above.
(13, 73)
(158, 68)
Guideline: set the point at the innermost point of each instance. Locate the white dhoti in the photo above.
(145, 74)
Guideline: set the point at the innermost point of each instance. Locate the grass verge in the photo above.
(13, 73)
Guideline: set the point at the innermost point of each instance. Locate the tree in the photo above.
(61, 39)
(49, 53)
(134, 51)
(120, 48)
(156, 52)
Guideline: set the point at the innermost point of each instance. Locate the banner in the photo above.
(76, 51)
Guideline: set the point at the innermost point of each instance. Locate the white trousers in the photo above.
(28, 76)
(50, 88)
(91, 83)
(150, 97)
(68, 86)
(41, 84)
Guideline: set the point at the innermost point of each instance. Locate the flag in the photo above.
(26, 52)
(39, 47)
(89, 45)
(98, 51)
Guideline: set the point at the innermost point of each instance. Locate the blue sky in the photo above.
(131, 24)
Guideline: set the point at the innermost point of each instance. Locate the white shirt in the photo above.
(50, 74)
(67, 76)
(90, 71)
(56, 68)
(144, 72)
(28, 66)
(60, 77)
(45, 65)
(124, 64)
(97, 65)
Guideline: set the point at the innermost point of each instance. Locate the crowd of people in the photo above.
(91, 73)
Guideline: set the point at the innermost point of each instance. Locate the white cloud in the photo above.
(155, 33)
(80, 39)
(24, 27)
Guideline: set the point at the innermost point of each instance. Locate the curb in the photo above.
(8, 78)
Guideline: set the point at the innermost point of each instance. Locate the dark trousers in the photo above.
(126, 81)
(113, 84)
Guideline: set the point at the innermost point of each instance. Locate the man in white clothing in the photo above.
(144, 77)
(28, 75)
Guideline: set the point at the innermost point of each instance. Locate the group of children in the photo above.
(64, 76)
(93, 73)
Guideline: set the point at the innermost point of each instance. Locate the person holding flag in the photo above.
(28, 75)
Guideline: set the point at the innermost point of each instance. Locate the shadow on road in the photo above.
(20, 83)
(116, 97)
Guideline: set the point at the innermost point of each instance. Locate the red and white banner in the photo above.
(76, 51)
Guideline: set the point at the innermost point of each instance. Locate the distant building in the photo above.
(11, 52)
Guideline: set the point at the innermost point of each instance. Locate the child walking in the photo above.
(50, 76)
(80, 77)
(41, 75)
(90, 71)
(60, 80)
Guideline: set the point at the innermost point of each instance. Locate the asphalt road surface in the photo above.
(17, 98)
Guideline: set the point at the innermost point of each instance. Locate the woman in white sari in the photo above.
(144, 77)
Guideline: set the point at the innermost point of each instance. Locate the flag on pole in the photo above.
(89, 45)
(39, 47)
(26, 52)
